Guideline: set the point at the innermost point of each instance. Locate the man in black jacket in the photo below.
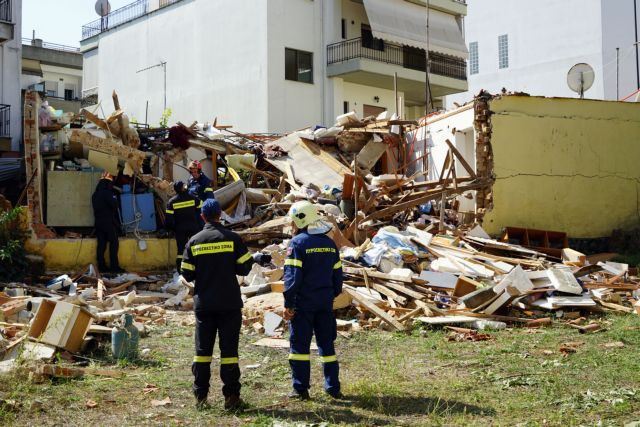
(181, 217)
(213, 258)
(105, 211)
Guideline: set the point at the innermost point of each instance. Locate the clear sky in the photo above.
(60, 21)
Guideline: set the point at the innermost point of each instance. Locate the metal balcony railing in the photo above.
(121, 16)
(404, 56)
(5, 120)
(5, 11)
(53, 46)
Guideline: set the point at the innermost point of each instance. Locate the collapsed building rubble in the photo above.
(410, 254)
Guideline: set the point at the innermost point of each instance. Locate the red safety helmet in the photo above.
(195, 165)
(106, 175)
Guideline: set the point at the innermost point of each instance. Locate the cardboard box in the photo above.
(60, 324)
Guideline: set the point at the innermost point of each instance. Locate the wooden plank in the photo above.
(427, 195)
(375, 310)
(12, 307)
(69, 372)
(376, 274)
(370, 154)
(310, 162)
(404, 290)
(110, 146)
(465, 312)
(389, 293)
(461, 159)
(291, 177)
(95, 120)
(116, 104)
(100, 289)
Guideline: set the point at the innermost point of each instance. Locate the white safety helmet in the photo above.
(303, 214)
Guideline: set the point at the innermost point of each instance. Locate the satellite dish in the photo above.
(580, 78)
(103, 8)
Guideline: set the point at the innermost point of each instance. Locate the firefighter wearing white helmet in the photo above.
(312, 278)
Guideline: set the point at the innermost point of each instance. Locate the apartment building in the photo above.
(276, 65)
(529, 46)
(55, 71)
(10, 63)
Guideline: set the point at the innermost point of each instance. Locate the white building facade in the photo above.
(55, 71)
(10, 65)
(276, 65)
(529, 46)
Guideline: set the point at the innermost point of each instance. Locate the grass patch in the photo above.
(520, 378)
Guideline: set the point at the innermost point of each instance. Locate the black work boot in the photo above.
(335, 395)
(299, 394)
(202, 404)
(233, 403)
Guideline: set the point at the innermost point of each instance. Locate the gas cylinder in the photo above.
(124, 339)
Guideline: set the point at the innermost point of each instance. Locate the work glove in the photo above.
(262, 259)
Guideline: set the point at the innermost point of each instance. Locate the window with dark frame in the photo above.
(503, 51)
(298, 65)
(474, 63)
(368, 40)
(344, 29)
(345, 107)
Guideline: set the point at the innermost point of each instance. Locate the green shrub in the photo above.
(13, 261)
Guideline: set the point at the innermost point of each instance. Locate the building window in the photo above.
(298, 65)
(51, 88)
(474, 65)
(345, 107)
(503, 51)
(368, 40)
(344, 28)
(68, 94)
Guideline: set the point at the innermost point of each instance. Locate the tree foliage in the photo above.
(13, 261)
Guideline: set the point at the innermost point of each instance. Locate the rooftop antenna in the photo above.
(580, 78)
(103, 8)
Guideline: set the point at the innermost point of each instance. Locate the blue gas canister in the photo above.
(124, 339)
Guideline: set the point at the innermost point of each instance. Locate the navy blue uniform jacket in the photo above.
(181, 213)
(312, 272)
(201, 187)
(213, 258)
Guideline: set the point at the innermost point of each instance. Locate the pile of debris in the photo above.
(75, 314)
(410, 254)
(399, 277)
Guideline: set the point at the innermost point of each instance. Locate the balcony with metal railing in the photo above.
(47, 45)
(6, 14)
(6, 21)
(122, 15)
(5, 120)
(404, 56)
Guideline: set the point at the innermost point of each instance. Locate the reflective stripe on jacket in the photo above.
(181, 213)
(312, 272)
(213, 258)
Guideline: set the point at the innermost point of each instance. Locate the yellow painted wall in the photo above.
(565, 165)
(71, 254)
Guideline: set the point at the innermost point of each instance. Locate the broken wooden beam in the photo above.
(109, 146)
(386, 317)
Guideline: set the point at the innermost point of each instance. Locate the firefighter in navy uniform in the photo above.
(199, 185)
(181, 217)
(312, 279)
(107, 221)
(213, 258)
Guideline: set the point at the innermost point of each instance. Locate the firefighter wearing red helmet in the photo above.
(199, 185)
